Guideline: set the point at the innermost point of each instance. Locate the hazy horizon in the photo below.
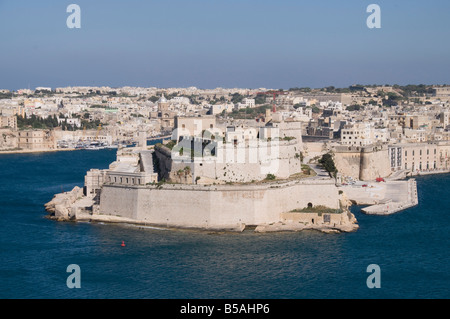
(229, 44)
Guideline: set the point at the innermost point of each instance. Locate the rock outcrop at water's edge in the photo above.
(60, 207)
(346, 223)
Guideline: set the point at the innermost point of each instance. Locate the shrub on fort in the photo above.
(170, 144)
(306, 169)
(270, 177)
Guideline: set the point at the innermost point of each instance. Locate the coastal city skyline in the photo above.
(224, 161)
(241, 149)
(208, 44)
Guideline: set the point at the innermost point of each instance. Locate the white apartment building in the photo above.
(71, 121)
(381, 135)
(331, 105)
(357, 134)
(415, 136)
(246, 102)
(219, 108)
(8, 121)
(180, 100)
(41, 88)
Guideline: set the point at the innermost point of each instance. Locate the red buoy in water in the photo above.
(123, 244)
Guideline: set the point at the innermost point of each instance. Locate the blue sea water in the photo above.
(410, 247)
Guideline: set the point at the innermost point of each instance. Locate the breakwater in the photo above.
(383, 198)
(389, 206)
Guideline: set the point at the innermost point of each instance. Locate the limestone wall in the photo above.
(316, 218)
(348, 163)
(119, 201)
(241, 163)
(8, 139)
(218, 206)
(374, 164)
(363, 163)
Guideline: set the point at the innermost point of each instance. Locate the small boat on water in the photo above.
(95, 146)
(112, 146)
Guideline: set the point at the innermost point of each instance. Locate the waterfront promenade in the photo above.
(398, 198)
(36, 151)
(383, 198)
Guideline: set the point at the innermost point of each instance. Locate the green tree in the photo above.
(315, 109)
(355, 107)
(237, 98)
(260, 99)
(328, 164)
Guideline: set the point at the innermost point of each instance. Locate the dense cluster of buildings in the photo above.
(236, 157)
(412, 133)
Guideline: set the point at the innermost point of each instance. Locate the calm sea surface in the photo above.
(411, 248)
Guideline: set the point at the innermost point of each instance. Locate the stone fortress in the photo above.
(212, 177)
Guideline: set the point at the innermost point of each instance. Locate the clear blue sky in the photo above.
(227, 43)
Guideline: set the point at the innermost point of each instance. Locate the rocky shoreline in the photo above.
(347, 227)
(62, 204)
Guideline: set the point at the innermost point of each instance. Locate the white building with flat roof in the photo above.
(357, 134)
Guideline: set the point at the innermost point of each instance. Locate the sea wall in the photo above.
(344, 221)
(314, 218)
(214, 206)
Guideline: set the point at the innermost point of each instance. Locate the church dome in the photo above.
(162, 99)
